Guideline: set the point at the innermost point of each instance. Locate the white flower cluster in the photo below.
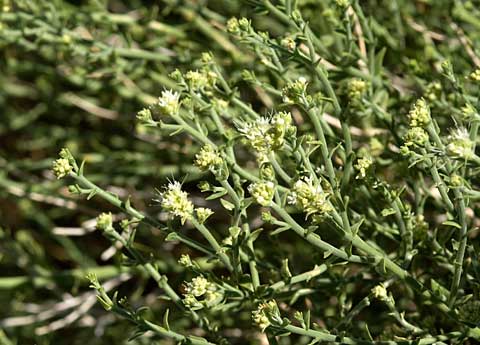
(176, 202)
(310, 197)
(268, 134)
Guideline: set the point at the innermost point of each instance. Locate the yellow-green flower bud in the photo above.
(61, 167)
(363, 165)
(416, 136)
(475, 75)
(104, 221)
(203, 214)
(208, 158)
(419, 115)
(380, 292)
(262, 192)
(310, 197)
(185, 260)
(265, 313)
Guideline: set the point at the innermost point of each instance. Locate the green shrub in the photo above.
(325, 189)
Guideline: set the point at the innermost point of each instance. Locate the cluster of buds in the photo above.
(201, 80)
(64, 165)
(268, 134)
(238, 26)
(475, 75)
(262, 192)
(311, 198)
(145, 116)
(419, 115)
(295, 92)
(203, 213)
(416, 136)
(175, 201)
(208, 159)
(469, 112)
(419, 118)
(433, 90)
(363, 165)
(265, 314)
(105, 221)
(460, 145)
(185, 260)
(201, 293)
(288, 42)
(380, 292)
(356, 88)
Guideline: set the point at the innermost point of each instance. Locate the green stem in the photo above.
(213, 242)
(115, 201)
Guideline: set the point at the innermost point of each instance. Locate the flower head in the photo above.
(176, 202)
(416, 136)
(208, 158)
(293, 92)
(475, 75)
(310, 196)
(265, 313)
(185, 260)
(460, 145)
(61, 167)
(363, 164)
(419, 115)
(144, 115)
(262, 192)
(356, 88)
(468, 111)
(104, 221)
(203, 214)
(198, 286)
(288, 43)
(380, 292)
(169, 102)
(200, 292)
(268, 134)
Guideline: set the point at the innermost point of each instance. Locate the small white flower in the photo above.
(198, 286)
(460, 145)
(169, 102)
